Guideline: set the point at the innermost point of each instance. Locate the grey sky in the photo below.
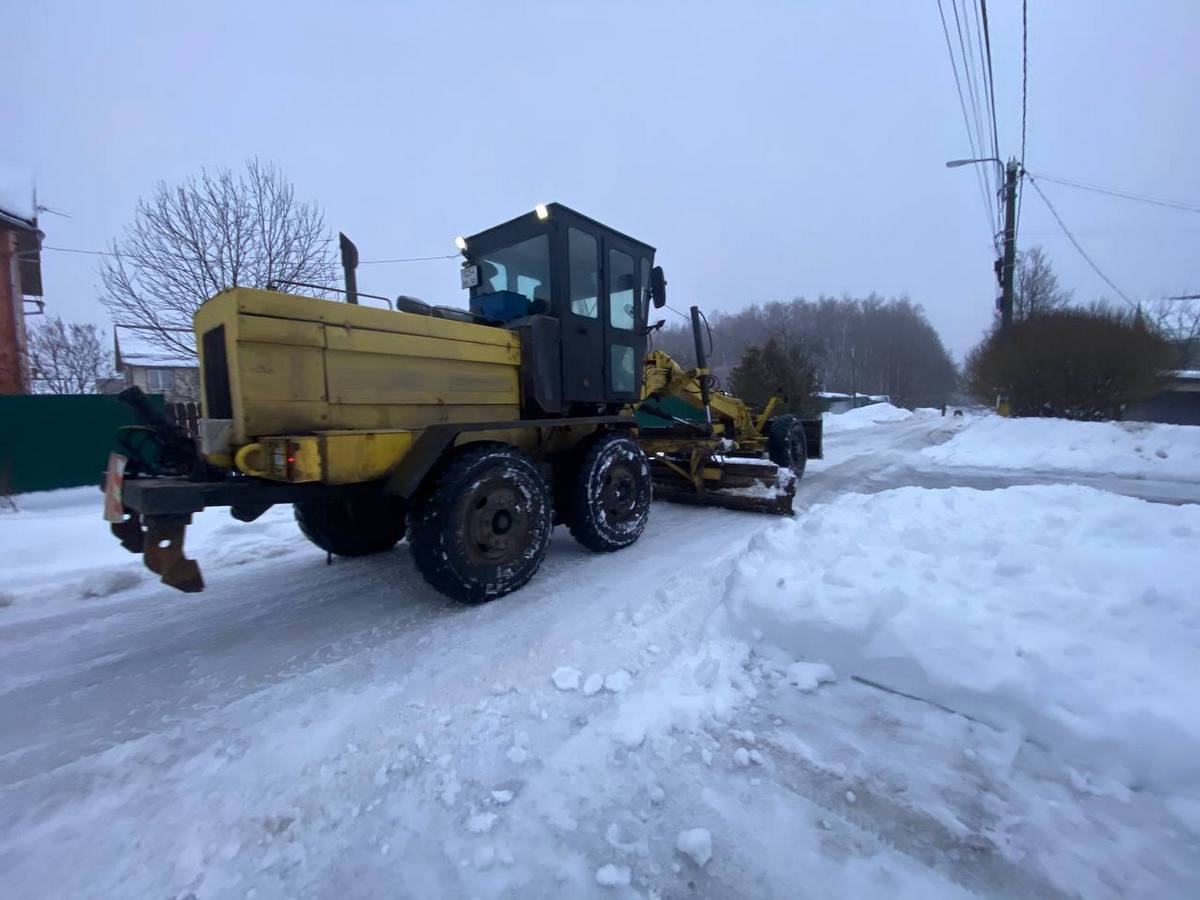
(767, 150)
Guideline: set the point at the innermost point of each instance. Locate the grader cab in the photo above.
(472, 432)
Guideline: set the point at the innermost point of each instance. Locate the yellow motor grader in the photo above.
(470, 431)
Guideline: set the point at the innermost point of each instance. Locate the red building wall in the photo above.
(14, 362)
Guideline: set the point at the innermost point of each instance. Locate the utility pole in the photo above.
(1008, 263)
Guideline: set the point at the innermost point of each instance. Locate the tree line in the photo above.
(870, 345)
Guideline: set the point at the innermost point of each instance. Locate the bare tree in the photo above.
(66, 358)
(217, 231)
(1037, 289)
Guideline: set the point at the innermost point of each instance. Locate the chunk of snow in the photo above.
(808, 675)
(502, 797)
(629, 731)
(611, 875)
(696, 844)
(566, 678)
(481, 822)
(741, 756)
(618, 681)
(593, 684)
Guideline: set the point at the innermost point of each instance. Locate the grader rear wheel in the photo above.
(356, 527)
(481, 527)
(608, 495)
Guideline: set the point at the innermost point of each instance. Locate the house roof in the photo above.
(132, 348)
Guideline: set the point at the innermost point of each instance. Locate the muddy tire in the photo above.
(356, 527)
(608, 493)
(787, 444)
(481, 525)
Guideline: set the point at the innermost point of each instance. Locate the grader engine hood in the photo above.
(275, 365)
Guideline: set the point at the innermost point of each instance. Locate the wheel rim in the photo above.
(495, 523)
(618, 495)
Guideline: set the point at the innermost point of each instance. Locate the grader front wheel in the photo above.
(481, 528)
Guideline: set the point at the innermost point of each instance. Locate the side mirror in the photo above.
(658, 287)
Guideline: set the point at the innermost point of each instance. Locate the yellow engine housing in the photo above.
(347, 387)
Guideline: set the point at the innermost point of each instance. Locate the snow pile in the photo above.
(865, 417)
(1112, 448)
(1065, 611)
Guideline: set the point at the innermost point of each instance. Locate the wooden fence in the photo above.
(186, 416)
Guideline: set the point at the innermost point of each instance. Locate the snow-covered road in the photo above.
(309, 730)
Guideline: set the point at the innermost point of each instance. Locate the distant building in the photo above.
(1178, 403)
(20, 276)
(155, 371)
(835, 402)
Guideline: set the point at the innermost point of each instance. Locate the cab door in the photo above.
(582, 320)
(624, 320)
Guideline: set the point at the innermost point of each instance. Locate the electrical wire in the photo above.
(1071, 238)
(1114, 192)
(962, 105)
(380, 262)
(987, 41)
(965, 47)
(364, 262)
(1024, 96)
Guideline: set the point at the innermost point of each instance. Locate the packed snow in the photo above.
(1136, 449)
(905, 691)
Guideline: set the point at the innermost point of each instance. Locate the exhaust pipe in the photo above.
(701, 365)
(349, 264)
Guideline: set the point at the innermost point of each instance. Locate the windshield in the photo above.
(523, 268)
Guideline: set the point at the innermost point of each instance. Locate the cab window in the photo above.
(620, 290)
(583, 274)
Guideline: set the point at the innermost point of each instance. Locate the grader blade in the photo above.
(748, 487)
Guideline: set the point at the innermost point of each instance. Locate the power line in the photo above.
(968, 59)
(364, 262)
(380, 262)
(987, 40)
(962, 105)
(1024, 94)
(1124, 195)
(1071, 238)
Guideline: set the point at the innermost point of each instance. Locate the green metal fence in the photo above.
(57, 441)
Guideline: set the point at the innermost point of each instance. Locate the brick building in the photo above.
(20, 276)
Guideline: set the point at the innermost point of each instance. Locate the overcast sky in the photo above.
(767, 150)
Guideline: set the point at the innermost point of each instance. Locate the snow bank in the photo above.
(864, 417)
(1112, 448)
(1065, 611)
